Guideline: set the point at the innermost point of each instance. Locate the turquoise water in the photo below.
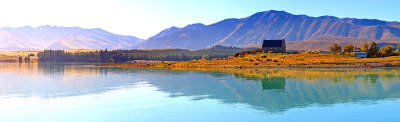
(83, 92)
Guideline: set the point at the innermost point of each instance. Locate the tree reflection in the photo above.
(270, 90)
(297, 88)
(273, 83)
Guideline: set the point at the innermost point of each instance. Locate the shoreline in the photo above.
(239, 67)
(283, 61)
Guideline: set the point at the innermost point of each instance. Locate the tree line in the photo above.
(122, 56)
(373, 51)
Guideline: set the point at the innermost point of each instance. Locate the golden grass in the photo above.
(13, 56)
(286, 61)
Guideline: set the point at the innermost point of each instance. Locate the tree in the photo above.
(205, 57)
(364, 47)
(335, 48)
(121, 56)
(398, 50)
(356, 48)
(387, 50)
(373, 50)
(348, 48)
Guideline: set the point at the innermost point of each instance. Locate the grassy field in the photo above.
(266, 60)
(262, 60)
(14, 55)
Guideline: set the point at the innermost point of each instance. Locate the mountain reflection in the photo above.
(277, 90)
(270, 90)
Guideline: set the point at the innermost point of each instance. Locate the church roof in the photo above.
(273, 43)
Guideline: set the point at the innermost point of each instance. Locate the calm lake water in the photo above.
(82, 92)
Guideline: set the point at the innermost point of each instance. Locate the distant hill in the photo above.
(301, 32)
(274, 25)
(174, 29)
(55, 37)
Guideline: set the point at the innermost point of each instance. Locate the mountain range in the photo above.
(301, 32)
(56, 37)
(296, 29)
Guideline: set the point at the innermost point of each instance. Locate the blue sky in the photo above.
(144, 18)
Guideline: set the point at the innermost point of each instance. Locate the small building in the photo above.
(275, 46)
(360, 54)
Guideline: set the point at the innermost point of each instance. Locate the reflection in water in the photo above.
(270, 90)
(279, 90)
(58, 80)
(273, 83)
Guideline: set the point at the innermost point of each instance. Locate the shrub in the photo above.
(254, 51)
(236, 54)
(397, 53)
(206, 57)
(350, 54)
(312, 52)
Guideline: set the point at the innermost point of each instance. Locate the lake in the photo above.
(83, 92)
